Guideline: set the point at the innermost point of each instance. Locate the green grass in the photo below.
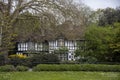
(62, 75)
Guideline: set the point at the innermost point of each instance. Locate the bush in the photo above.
(15, 60)
(87, 60)
(34, 60)
(77, 67)
(68, 62)
(43, 59)
(22, 68)
(18, 55)
(7, 68)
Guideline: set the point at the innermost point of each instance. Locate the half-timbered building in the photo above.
(68, 36)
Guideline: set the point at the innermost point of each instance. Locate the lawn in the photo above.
(61, 75)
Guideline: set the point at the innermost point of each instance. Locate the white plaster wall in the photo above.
(71, 45)
(28, 45)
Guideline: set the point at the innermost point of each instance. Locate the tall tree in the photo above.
(9, 14)
(109, 16)
(10, 11)
(99, 40)
(104, 43)
(115, 44)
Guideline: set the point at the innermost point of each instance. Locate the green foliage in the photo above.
(77, 67)
(99, 40)
(11, 68)
(87, 59)
(61, 67)
(77, 52)
(40, 58)
(61, 50)
(80, 52)
(7, 68)
(115, 45)
(68, 62)
(109, 16)
(15, 60)
(104, 42)
(43, 59)
(22, 68)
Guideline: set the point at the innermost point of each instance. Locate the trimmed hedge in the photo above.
(11, 68)
(7, 68)
(15, 60)
(22, 68)
(77, 67)
(43, 59)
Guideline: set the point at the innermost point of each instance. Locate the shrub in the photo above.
(77, 67)
(15, 60)
(22, 68)
(87, 60)
(18, 55)
(7, 68)
(34, 60)
(61, 50)
(43, 59)
(68, 62)
(55, 67)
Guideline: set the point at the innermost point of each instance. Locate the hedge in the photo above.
(77, 67)
(64, 67)
(22, 68)
(7, 68)
(11, 68)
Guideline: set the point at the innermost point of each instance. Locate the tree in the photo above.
(104, 43)
(115, 44)
(10, 10)
(99, 40)
(77, 13)
(109, 16)
(102, 35)
(31, 27)
(45, 15)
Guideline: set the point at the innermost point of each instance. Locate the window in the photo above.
(31, 46)
(22, 46)
(39, 47)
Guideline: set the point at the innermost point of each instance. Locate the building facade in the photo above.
(65, 36)
(50, 47)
